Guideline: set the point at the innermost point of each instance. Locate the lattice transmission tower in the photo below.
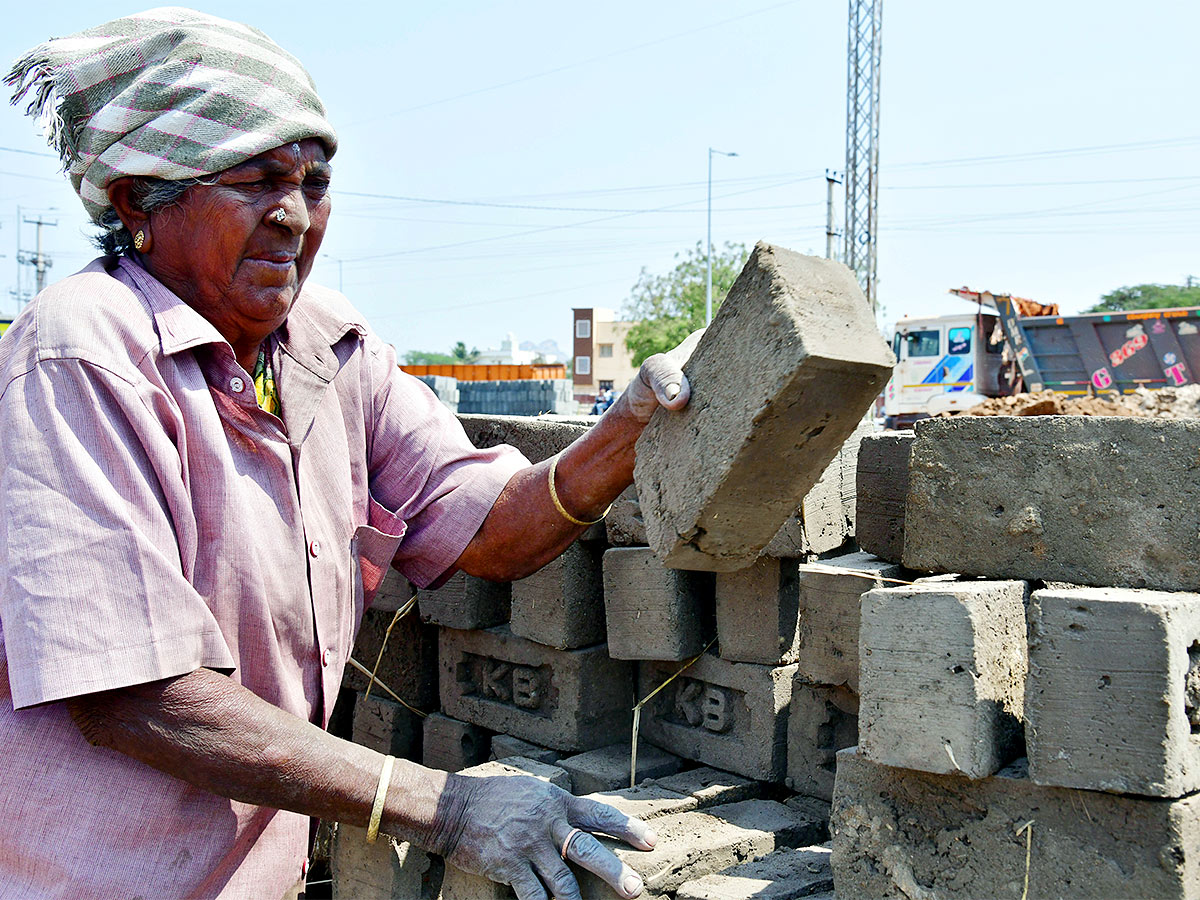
(862, 141)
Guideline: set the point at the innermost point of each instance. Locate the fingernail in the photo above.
(651, 836)
(632, 885)
(672, 391)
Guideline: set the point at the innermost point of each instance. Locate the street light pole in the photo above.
(708, 246)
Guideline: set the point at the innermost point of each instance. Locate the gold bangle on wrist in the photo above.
(385, 777)
(558, 503)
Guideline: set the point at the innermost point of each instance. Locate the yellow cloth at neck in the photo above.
(264, 383)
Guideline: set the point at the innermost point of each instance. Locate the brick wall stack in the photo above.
(444, 387)
(1031, 727)
(517, 398)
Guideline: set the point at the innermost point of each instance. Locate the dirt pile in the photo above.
(1048, 403)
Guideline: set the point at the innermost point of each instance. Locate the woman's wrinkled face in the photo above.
(228, 254)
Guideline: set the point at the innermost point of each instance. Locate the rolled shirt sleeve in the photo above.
(95, 595)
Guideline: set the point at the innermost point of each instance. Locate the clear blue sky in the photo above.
(1048, 149)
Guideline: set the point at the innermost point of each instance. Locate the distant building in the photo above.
(601, 359)
(525, 354)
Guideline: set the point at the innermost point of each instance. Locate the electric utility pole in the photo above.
(831, 234)
(862, 141)
(39, 260)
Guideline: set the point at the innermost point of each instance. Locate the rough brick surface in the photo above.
(903, 834)
(386, 726)
(786, 874)
(943, 675)
(607, 768)
(624, 524)
(1113, 697)
(882, 485)
(451, 745)
(466, 602)
(380, 871)
(726, 714)
(694, 789)
(1105, 501)
(504, 745)
(409, 665)
(654, 612)
(537, 437)
(694, 844)
(830, 598)
(819, 524)
(460, 885)
(565, 699)
(822, 721)
(779, 380)
(393, 592)
(519, 765)
(562, 604)
(758, 612)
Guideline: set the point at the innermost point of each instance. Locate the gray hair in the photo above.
(150, 195)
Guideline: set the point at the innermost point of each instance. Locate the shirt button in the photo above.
(326, 656)
(237, 385)
(304, 869)
(314, 547)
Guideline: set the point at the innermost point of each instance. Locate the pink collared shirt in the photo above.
(154, 520)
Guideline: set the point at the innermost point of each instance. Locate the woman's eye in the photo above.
(316, 185)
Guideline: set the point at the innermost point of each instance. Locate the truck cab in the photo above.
(942, 363)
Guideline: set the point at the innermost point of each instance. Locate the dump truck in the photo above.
(1009, 345)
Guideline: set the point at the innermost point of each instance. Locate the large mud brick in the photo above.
(1107, 501)
(758, 612)
(519, 765)
(386, 726)
(561, 605)
(694, 844)
(505, 745)
(451, 745)
(624, 525)
(819, 524)
(780, 379)
(786, 874)
(466, 602)
(822, 721)
(394, 591)
(458, 884)
(384, 870)
(882, 484)
(903, 834)
(566, 699)
(537, 437)
(409, 664)
(654, 612)
(830, 611)
(943, 675)
(1112, 701)
(607, 768)
(682, 792)
(725, 714)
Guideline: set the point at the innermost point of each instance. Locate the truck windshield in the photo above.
(923, 343)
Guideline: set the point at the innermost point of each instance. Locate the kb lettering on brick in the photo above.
(703, 706)
(504, 682)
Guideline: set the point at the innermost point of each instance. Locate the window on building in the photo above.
(606, 385)
(606, 350)
(583, 365)
(583, 328)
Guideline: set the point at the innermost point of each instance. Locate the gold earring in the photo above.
(139, 240)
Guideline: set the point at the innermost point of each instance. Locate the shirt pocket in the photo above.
(372, 549)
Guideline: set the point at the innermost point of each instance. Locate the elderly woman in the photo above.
(206, 466)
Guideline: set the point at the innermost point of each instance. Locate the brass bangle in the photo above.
(558, 503)
(385, 777)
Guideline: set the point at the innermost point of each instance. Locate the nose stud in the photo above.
(279, 215)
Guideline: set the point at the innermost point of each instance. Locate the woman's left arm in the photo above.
(525, 530)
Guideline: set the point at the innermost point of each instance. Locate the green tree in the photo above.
(426, 358)
(462, 355)
(667, 308)
(1148, 296)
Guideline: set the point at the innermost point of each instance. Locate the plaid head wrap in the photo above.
(170, 93)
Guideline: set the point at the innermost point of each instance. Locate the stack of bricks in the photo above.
(1029, 727)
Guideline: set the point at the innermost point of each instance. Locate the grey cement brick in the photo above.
(822, 721)
(466, 602)
(624, 524)
(519, 765)
(903, 834)
(458, 884)
(504, 745)
(607, 768)
(1112, 701)
(393, 592)
(565, 699)
(386, 726)
(758, 612)
(385, 870)
(786, 874)
(712, 787)
(648, 800)
(726, 714)
(452, 745)
(694, 844)
(654, 612)
(780, 380)
(562, 604)
(943, 669)
(409, 665)
(1107, 501)
(830, 600)
(537, 437)
(882, 483)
